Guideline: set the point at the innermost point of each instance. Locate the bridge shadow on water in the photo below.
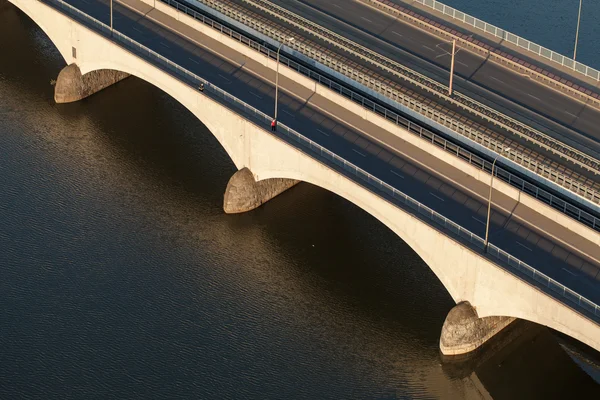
(307, 252)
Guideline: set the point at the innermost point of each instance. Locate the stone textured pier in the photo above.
(243, 193)
(72, 86)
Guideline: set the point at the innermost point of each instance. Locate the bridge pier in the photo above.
(243, 193)
(72, 86)
(464, 332)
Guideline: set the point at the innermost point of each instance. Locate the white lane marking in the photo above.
(366, 19)
(461, 63)
(530, 95)
(289, 113)
(428, 48)
(571, 114)
(358, 152)
(478, 220)
(337, 5)
(191, 59)
(324, 133)
(569, 272)
(522, 245)
(496, 79)
(254, 94)
(437, 197)
(396, 33)
(397, 174)
(224, 77)
(134, 28)
(164, 44)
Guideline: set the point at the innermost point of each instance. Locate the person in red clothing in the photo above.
(274, 125)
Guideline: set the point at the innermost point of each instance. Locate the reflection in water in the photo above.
(123, 278)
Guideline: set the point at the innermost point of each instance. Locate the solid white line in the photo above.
(224, 77)
(522, 245)
(324, 133)
(356, 151)
(397, 174)
(428, 48)
(437, 197)
(191, 59)
(569, 272)
(289, 113)
(366, 19)
(164, 45)
(478, 220)
(254, 94)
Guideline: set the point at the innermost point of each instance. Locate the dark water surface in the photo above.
(121, 277)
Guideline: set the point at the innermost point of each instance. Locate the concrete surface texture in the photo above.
(243, 193)
(467, 275)
(463, 331)
(72, 86)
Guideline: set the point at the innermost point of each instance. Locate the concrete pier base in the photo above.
(464, 332)
(72, 86)
(243, 193)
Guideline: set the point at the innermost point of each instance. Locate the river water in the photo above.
(122, 278)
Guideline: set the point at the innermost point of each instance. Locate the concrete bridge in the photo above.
(490, 287)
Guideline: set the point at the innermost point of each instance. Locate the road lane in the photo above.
(356, 145)
(547, 109)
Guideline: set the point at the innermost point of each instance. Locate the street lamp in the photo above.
(487, 225)
(452, 67)
(289, 39)
(577, 32)
(111, 17)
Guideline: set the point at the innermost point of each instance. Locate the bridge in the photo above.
(543, 256)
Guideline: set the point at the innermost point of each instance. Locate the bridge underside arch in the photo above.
(467, 275)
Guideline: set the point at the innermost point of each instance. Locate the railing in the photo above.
(416, 105)
(512, 38)
(540, 194)
(370, 182)
(432, 86)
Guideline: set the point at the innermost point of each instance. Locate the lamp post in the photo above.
(111, 17)
(487, 225)
(452, 67)
(577, 31)
(290, 39)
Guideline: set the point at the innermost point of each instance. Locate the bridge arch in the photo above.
(467, 275)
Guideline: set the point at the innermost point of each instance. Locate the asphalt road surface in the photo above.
(539, 249)
(487, 82)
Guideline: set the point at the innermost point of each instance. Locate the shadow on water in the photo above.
(305, 297)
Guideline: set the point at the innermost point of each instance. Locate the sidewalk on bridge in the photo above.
(587, 250)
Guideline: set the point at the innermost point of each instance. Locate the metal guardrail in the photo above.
(432, 86)
(521, 155)
(370, 182)
(512, 38)
(502, 174)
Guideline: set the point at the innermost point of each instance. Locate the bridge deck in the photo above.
(522, 231)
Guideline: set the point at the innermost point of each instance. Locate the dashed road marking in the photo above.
(358, 152)
(437, 197)
(254, 94)
(324, 133)
(134, 28)
(366, 19)
(289, 113)
(224, 77)
(428, 48)
(569, 272)
(191, 59)
(164, 44)
(478, 220)
(522, 245)
(397, 174)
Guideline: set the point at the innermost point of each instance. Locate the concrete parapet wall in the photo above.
(480, 175)
(464, 332)
(243, 193)
(72, 86)
(466, 274)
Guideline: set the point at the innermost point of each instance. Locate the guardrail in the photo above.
(540, 194)
(512, 38)
(370, 182)
(425, 83)
(411, 103)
